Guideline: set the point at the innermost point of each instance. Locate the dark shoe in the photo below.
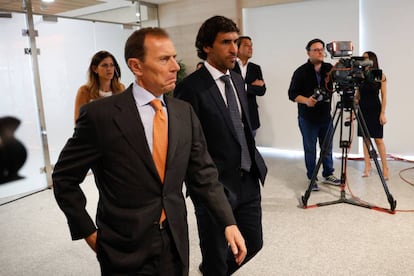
(332, 180)
(315, 186)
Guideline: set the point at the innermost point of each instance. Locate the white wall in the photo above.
(280, 33)
(186, 12)
(183, 18)
(387, 29)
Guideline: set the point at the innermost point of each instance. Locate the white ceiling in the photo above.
(108, 5)
(79, 8)
(160, 1)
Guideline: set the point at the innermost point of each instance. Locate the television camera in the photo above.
(350, 71)
(348, 74)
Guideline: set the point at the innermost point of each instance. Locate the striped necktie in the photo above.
(233, 108)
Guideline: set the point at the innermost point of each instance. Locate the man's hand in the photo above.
(236, 243)
(258, 82)
(91, 241)
(311, 101)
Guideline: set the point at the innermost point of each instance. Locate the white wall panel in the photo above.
(387, 29)
(280, 34)
(185, 12)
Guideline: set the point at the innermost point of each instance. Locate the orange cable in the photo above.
(377, 207)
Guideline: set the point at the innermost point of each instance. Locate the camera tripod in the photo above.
(347, 105)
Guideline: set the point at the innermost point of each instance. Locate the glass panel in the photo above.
(112, 38)
(66, 48)
(63, 65)
(18, 99)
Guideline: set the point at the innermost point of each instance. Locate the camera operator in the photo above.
(314, 109)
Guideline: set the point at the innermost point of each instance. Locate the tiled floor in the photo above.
(339, 239)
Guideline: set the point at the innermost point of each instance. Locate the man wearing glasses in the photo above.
(314, 112)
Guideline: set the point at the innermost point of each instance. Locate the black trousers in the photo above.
(164, 260)
(218, 260)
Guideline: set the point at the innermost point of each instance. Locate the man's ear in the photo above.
(135, 65)
(206, 49)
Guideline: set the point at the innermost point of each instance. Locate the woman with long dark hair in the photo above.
(103, 80)
(372, 99)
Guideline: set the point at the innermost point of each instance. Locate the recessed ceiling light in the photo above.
(48, 1)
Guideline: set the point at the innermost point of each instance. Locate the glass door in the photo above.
(18, 102)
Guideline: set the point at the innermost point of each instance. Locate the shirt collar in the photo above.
(143, 97)
(216, 74)
(241, 63)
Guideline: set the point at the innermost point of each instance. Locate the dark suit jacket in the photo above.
(253, 73)
(201, 91)
(109, 138)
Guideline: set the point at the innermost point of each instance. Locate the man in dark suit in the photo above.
(114, 138)
(221, 106)
(253, 77)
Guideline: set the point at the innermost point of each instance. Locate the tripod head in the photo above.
(347, 94)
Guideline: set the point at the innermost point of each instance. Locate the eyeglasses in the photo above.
(320, 50)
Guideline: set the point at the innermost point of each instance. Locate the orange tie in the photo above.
(159, 142)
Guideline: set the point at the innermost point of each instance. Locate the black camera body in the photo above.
(350, 71)
(320, 95)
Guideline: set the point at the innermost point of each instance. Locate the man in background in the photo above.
(314, 113)
(253, 77)
(219, 99)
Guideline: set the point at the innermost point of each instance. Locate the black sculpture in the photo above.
(13, 154)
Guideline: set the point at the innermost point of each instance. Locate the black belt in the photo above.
(163, 225)
(243, 172)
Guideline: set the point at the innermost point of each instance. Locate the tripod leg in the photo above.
(373, 154)
(324, 149)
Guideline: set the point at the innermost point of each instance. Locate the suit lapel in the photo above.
(129, 122)
(173, 120)
(237, 68)
(248, 70)
(242, 95)
(214, 92)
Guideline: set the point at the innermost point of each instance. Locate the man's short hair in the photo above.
(209, 30)
(313, 41)
(241, 38)
(134, 46)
